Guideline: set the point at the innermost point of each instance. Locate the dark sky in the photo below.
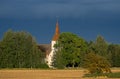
(86, 18)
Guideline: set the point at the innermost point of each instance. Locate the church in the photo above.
(49, 49)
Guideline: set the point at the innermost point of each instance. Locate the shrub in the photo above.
(96, 64)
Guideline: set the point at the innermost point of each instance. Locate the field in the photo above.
(44, 74)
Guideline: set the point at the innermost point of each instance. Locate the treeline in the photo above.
(19, 50)
(74, 51)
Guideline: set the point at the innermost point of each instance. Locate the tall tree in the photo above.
(71, 46)
(19, 50)
(101, 46)
(114, 51)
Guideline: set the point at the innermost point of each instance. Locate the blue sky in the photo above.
(86, 18)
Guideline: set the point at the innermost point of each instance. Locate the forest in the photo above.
(20, 50)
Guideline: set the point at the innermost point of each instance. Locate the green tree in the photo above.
(114, 50)
(19, 50)
(101, 46)
(96, 64)
(70, 48)
(59, 62)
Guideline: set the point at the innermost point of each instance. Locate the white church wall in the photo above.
(50, 57)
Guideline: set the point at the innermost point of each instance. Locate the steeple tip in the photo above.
(57, 32)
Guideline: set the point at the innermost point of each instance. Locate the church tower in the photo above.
(53, 42)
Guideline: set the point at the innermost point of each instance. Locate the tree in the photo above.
(101, 46)
(96, 64)
(114, 51)
(19, 50)
(58, 62)
(70, 48)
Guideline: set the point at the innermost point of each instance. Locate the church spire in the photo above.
(57, 32)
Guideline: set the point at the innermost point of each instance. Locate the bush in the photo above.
(96, 64)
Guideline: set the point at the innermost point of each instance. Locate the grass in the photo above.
(113, 75)
(108, 75)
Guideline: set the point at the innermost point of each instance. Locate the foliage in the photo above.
(110, 51)
(70, 47)
(19, 50)
(73, 49)
(114, 51)
(96, 63)
(100, 46)
(58, 60)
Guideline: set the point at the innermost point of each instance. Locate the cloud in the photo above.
(52, 8)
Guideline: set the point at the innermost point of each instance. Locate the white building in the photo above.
(49, 49)
(53, 42)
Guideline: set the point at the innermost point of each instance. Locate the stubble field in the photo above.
(44, 74)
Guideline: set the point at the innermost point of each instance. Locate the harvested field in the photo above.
(43, 74)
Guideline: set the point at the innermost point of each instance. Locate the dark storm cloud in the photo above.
(86, 18)
(62, 8)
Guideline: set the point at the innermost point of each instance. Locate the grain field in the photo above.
(42, 74)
